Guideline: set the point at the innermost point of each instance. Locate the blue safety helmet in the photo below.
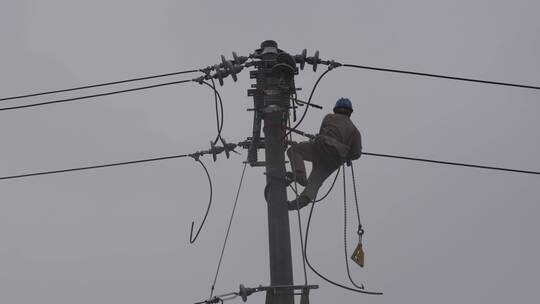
(344, 103)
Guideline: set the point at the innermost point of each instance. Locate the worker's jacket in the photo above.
(338, 132)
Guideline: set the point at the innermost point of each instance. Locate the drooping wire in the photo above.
(451, 163)
(228, 231)
(345, 230)
(93, 167)
(329, 189)
(442, 76)
(97, 85)
(192, 239)
(217, 101)
(321, 275)
(94, 95)
(331, 186)
(307, 105)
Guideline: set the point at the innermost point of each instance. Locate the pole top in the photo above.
(268, 43)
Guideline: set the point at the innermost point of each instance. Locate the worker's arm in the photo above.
(355, 147)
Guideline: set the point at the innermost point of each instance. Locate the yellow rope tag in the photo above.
(358, 255)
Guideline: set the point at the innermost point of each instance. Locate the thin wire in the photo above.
(93, 167)
(94, 95)
(97, 85)
(442, 76)
(451, 163)
(322, 276)
(191, 238)
(228, 231)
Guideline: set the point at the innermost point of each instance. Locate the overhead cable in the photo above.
(98, 85)
(94, 95)
(94, 167)
(451, 163)
(431, 160)
(442, 76)
(214, 151)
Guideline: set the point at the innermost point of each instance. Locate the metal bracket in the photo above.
(277, 290)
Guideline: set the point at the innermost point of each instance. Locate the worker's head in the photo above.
(343, 106)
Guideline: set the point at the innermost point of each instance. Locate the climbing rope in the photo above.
(361, 286)
(228, 231)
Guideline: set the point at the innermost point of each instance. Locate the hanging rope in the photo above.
(321, 275)
(360, 229)
(361, 286)
(228, 231)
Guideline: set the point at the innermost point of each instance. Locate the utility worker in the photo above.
(338, 141)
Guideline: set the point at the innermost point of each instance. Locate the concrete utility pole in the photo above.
(272, 99)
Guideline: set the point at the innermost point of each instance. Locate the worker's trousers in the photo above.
(324, 158)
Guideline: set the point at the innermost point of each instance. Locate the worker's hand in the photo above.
(349, 162)
(292, 143)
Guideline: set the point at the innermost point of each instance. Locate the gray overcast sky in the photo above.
(435, 234)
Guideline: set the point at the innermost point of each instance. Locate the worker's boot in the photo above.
(300, 179)
(302, 202)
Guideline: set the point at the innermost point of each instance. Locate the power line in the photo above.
(442, 76)
(94, 95)
(186, 155)
(451, 163)
(94, 167)
(98, 85)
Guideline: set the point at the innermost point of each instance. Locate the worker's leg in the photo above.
(318, 175)
(297, 154)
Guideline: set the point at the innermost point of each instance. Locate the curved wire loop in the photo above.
(192, 239)
(318, 273)
(217, 100)
(308, 103)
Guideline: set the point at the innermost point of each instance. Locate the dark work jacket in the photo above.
(339, 132)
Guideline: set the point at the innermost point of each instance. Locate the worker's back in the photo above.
(339, 131)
